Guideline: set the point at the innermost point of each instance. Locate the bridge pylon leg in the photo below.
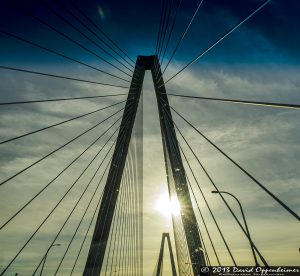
(172, 155)
(112, 187)
(176, 173)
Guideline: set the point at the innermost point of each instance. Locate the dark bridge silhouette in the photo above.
(116, 246)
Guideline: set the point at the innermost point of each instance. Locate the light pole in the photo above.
(245, 222)
(44, 258)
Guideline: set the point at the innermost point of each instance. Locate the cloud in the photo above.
(20, 153)
(263, 140)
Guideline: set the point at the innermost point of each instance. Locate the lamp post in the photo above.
(44, 258)
(245, 222)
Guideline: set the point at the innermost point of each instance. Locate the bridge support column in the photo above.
(161, 254)
(112, 187)
(172, 155)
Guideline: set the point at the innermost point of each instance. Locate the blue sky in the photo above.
(269, 37)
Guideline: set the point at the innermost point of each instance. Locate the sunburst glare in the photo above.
(167, 206)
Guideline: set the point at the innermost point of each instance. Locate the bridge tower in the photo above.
(177, 182)
(158, 270)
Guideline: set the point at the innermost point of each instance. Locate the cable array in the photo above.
(86, 195)
(173, 139)
(214, 184)
(65, 194)
(240, 167)
(124, 252)
(95, 162)
(181, 38)
(77, 18)
(219, 39)
(59, 76)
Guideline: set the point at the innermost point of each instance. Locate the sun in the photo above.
(167, 206)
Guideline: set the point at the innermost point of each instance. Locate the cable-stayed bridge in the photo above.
(76, 205)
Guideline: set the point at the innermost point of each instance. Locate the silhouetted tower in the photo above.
(174, 167)
(158, 268)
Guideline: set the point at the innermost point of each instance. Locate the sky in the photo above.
(259, 61)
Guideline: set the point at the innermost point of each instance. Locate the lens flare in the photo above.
(101, 13)
(167, 206)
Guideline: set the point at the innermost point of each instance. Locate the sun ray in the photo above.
(167, 206)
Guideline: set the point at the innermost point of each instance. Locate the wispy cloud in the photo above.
(262, 140)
